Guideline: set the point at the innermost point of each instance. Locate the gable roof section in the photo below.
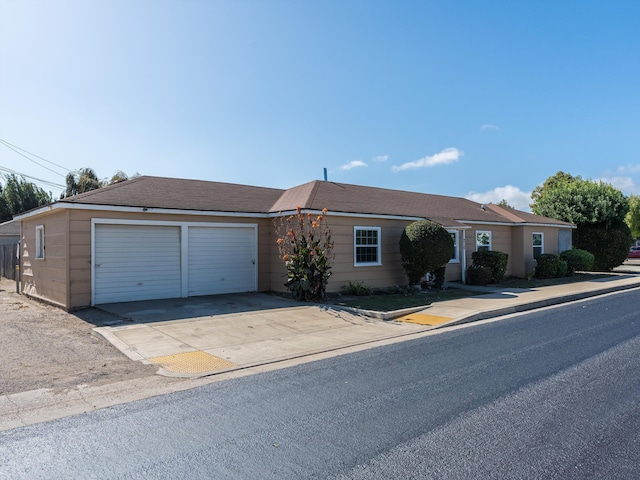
(356, 199)
(181, 194)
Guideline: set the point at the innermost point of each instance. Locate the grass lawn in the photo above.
(387, 302)
(397, 301)
(548, 282)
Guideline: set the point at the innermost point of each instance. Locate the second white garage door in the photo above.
(221, 260)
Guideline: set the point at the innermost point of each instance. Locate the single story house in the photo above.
(153, 237)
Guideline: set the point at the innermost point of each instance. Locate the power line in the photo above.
(38, 180)
(11, 145)
(6, 144)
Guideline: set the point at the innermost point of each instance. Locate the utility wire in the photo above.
(34, 155)
(16, 149)
(39, 180)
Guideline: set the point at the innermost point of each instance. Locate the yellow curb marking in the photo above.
(192, 362)
(423, 319)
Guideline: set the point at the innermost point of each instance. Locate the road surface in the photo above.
(548, 394)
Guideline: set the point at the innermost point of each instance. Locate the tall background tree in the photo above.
(19, 196)
(633, 217)
(85, 180)
(598, 209)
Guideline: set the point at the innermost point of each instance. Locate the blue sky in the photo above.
(476, 99)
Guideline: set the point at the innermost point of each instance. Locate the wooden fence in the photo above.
(8, 260)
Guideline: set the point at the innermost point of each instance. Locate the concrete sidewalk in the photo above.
(208, 335)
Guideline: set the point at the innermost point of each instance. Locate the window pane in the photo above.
(367, 246)
(366, 254)
(454, 237)
(482, 238)
(366, 237)
(537, 239)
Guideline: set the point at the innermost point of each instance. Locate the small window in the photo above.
(538, 245)
(454, 255)
(40, 241)
(366, 246)
(483, 240)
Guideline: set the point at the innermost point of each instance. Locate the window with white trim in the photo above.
(455, 257)
(366, 246)
(538, 244)
(483, 240)
(40, 242)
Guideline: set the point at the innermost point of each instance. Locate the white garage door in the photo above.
(221, 260)
(136, 262)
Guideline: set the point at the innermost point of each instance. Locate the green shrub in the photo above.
(577, 260)
(479, 275)
(358, 289)
(562, 268)
(550, 265)
(496, 261)
(609, 243)
(425, 246)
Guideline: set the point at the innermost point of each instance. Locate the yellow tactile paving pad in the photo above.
(423, 319)
(192, 362)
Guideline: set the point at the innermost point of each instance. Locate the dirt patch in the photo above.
(45, 347)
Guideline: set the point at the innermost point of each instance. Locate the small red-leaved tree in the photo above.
(305, 246)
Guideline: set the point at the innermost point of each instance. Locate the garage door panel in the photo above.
(136, 262)
(221, 260)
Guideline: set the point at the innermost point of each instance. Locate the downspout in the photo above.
(18, 259)
(464, 256)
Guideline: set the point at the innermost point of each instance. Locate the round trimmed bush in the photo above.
(550, 265)
(479, 275)
(577, 260)
(495, 260)
(609, 243)
(425, 246)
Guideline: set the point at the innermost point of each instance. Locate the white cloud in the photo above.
(513, 196)
(445, 157)
(489, 126)
(625, 184)
(381, 158)
(353, 164)
(628, 169)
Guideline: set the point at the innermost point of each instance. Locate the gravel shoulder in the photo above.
(44, 347)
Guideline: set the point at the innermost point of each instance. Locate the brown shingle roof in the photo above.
(340, 197)
(181, 194)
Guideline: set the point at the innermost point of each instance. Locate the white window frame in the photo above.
(455, 234)
(39, 242)
(478, 245)
(378, 247)
(534, 246)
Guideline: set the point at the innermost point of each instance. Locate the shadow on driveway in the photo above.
(148, 311)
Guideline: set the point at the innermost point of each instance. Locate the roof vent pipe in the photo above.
(325, 174)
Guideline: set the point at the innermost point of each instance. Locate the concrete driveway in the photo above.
(203, 335)
(200, 336)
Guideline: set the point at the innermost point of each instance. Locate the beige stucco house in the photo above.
(153, 237)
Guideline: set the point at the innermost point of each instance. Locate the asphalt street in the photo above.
(549, 394)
